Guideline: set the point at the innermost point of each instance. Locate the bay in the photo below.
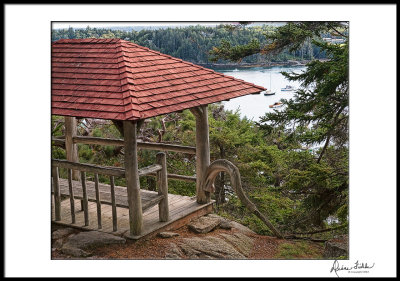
(255, 106)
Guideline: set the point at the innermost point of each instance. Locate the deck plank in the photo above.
(180, 207)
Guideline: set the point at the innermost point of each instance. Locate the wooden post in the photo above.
(162, 186)
(71, 195)
(71, 149)
(114, 207)
(132, 178)
(85, 198)
(57, 196)
(202, 151)
(96, 187)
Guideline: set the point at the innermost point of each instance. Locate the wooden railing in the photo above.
(143, 145)
(140, 144)
(159, 170)
(109, 171)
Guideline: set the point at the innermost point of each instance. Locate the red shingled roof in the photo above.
(117, 79)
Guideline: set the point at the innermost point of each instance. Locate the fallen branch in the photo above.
(305, 238)
(321, 230)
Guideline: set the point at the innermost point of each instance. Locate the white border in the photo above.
(372, 137)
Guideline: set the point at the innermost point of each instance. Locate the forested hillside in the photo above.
(193, 43)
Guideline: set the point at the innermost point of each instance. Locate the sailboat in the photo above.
(269, 92)
(288, 88)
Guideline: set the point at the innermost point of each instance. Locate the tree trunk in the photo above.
(324, 148)
(220, 181)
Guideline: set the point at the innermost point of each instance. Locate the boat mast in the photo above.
(270, 80)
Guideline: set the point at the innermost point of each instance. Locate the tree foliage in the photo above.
(317, 115)
(194, 43)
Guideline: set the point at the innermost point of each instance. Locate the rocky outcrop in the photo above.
(204, 248)
(233, 245)
(223, 246)
(337, 247)
(204, 224)
(209, 222)
(240, 241)
(79, 245)
(167, 234)
(62, 233)
(240, 227)
(232, 241)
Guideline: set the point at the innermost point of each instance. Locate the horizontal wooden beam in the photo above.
(178, 177)
(110, 171)
(117, 172)
(149, 170)
(99, 141)
(58, 142)
(141, 144)
(166, 147)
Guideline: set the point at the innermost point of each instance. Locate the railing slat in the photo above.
(85, 199)
(114, 207)
(57, 196)
(71, 196)
(109, 171)
(98, 200)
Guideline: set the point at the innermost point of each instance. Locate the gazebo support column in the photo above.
(202, 152)
(71, 149)
(132, 178)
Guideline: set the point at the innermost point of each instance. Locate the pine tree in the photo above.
(317, 115)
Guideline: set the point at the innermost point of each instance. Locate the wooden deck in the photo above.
(181, 210)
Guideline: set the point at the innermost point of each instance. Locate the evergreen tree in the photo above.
(317, 115)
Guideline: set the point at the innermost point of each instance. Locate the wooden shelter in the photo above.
(120, 81)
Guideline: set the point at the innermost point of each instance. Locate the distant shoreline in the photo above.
(249, 65)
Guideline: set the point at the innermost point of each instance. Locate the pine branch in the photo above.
(341, 34)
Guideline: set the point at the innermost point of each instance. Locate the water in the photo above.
(255, 106)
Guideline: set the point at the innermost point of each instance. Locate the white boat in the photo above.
(287, 88)
(269, 93)
(275, 105)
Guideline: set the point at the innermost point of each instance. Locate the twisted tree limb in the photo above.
(222, 165)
